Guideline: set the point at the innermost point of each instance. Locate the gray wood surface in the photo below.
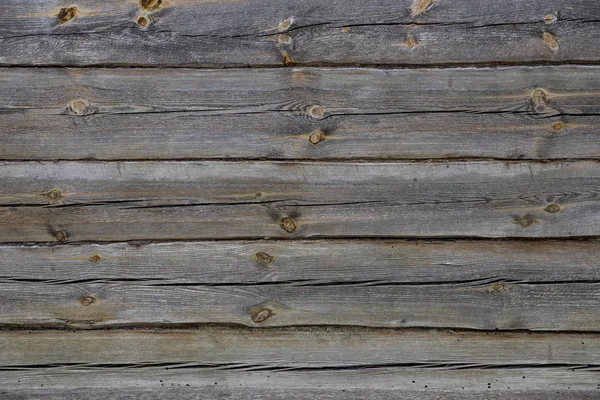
(271, 32)
(95, 201)
(478, 285)
(326, 362)
(110, 114)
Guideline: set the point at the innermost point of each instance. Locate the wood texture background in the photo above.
(304, 199)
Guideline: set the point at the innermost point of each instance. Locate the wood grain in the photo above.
(121, 201)
(475, 285)
(274, 33)
(420, 364)
(127, 114)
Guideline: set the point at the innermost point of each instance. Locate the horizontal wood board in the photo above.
(274, 33)
(539, 113)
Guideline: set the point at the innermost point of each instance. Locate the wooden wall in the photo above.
(343, 199)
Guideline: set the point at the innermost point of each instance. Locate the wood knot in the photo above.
(150, 5)
(143, 21)
(61, 236)
(288, 224)
(55, 195)
(550, 19)
(558, 126)
(499, 287)
(96, 258)
(411, 43)
(87, 300)
(288, 61)
(66, 14)
(284, 39)
(261, 315)
(552, 208)
(264, 257)
(539, 97)
(316, 112)
(525, 221)
(420, 6)
(285, 24)
(80, 107)
(316, 137)
(550, 40)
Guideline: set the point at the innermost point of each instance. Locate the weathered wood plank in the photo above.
(201, 389)
(326, 362)
(270, 33)
(315, 261)
(512, 113)
(480, 285)
(120, 201)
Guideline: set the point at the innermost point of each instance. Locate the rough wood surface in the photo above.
(107, 114)
(422, 364)
(477, 285)
(271, 33)
(95, 201)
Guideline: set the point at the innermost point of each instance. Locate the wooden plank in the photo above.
(121, 201)
(315, 261)
(421, 364)
(270, 33)
(108, 114)
(205, 391)
(479, 285)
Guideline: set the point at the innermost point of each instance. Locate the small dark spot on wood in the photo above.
(261, 315)
(259, 194)
(264, 257)
(550, 18)
(96, 258)
(66, 14)
(288, 224)
(316, 137)
(87, 300)
(150, 5)
(552, 208)
(143, 22)
(558, 126)
(317, 112)
(525, 221)
(61, 236)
